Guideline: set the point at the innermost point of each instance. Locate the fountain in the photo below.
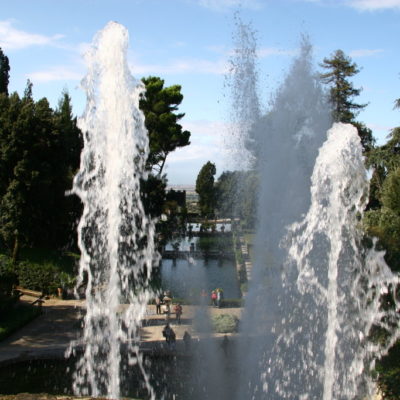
(116, 238)
(316, 291)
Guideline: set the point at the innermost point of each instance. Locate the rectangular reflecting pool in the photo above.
(185, 278)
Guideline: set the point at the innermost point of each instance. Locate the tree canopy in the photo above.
(205, 188)
(236, 196)
(340, 68)
(39, 154)
(342, 93)
(160, 105)
(382, 218)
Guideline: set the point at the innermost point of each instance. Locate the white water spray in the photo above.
(334, 285)
(116, 238)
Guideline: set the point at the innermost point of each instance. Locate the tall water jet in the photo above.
(243, 85)
(318, 293)
(332, 287)
(116, 238)
(284, 143)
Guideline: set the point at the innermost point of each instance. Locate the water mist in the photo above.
(316, 290)
(116, 238)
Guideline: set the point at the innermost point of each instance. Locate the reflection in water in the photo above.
(186, 279)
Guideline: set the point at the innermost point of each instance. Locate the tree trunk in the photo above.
(15, 249)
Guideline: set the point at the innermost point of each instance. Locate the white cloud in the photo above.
(206, 142)
(13, 39)
(188, 66)
(223, 5)
(58, 73)
(371, 5)
(365, 52)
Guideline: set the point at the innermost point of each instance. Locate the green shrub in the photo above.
(8, 277)
(225, 323)
(41, 277)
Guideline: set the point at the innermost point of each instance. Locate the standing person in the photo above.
(178, 312)
(172, 341)
(214, 298)
(168, 333)
(158, 305)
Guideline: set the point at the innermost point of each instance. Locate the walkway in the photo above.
(50, 334)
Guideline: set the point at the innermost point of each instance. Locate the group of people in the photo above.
(170, 337)
(163, 306)
(217, 297)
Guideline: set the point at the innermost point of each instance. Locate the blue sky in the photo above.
(188, 42)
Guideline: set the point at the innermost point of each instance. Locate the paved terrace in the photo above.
(50, 334)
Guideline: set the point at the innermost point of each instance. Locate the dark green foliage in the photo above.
(367, 139)
(342, 92)
(40, 277)
(8, 278)
(4, 73)
(160, 105)
(205, 189)
(153, 194)
(39, 153)
(388, 369)
(340, 68)
(382, 218)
